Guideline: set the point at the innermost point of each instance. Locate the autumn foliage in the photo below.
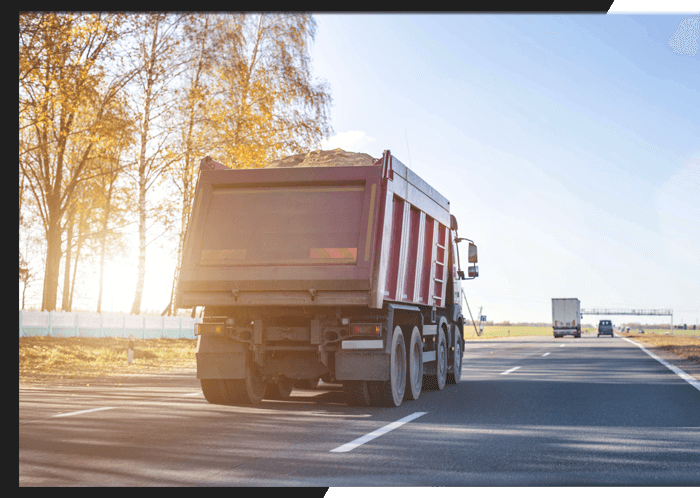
(116, 108)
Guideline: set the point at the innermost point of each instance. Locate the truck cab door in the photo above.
(454, 286)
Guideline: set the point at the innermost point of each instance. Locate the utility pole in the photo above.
(481, 321)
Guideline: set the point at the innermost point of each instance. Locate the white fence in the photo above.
(60, 324)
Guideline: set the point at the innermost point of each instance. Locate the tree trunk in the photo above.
(150, 70)
(136, 306)
(53, 262)
(81, 239)
(181, 242)
(65, 301)
(103, 242)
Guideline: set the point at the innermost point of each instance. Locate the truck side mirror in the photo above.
(472, 253)
(473, 272)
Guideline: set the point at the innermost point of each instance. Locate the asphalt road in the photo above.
(575, 412)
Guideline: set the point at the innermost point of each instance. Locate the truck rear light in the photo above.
(366, 329)
(210, 328)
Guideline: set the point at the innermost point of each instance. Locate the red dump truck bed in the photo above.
(340, 273)
(340, 235)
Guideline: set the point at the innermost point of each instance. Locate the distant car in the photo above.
(605, 327)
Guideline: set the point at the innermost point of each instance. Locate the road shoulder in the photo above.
(689, 367)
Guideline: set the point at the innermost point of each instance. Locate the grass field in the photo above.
(506, 331)
(70, 357)
(43, 358)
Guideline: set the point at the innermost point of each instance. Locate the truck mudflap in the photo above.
(221, 365)
(220, 358)
(360, 364)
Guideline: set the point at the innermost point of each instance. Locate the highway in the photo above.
(531, 411)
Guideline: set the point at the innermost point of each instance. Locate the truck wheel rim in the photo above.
(442, 359)
(398, 368)
(416, 375)
(458, 361)
(441, 363)
(257, 385)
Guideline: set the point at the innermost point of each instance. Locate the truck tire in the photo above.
(438, 381)
(456, 375)
(214, 391)
(414, 367)
(356, 392)
(248, 391)
(391, 392)
(279, 390)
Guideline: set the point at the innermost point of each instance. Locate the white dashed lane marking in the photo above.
(379, 432)
(510, 371)
(83, 411)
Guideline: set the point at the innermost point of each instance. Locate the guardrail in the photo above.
(76, 324)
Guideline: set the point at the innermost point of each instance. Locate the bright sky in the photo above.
(568, 145)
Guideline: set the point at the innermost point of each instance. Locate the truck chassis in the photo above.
(250, 354)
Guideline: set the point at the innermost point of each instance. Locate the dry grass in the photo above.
(71, 357)
(682, 345)
(506, 331)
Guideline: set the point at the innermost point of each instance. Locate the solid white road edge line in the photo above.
(83, 411)
(509, 371)
(680, 373)
(368, 437)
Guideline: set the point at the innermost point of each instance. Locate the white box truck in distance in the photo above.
(566, 317)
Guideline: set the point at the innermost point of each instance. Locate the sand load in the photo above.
(323, 158)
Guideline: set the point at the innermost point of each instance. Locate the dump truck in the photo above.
(566, 317)
(348, 273)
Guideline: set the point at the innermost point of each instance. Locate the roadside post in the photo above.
(130, 353)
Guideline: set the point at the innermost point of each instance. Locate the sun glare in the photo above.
(119, 287)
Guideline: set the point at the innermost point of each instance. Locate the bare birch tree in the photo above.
(194, 133)
(157, 40)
